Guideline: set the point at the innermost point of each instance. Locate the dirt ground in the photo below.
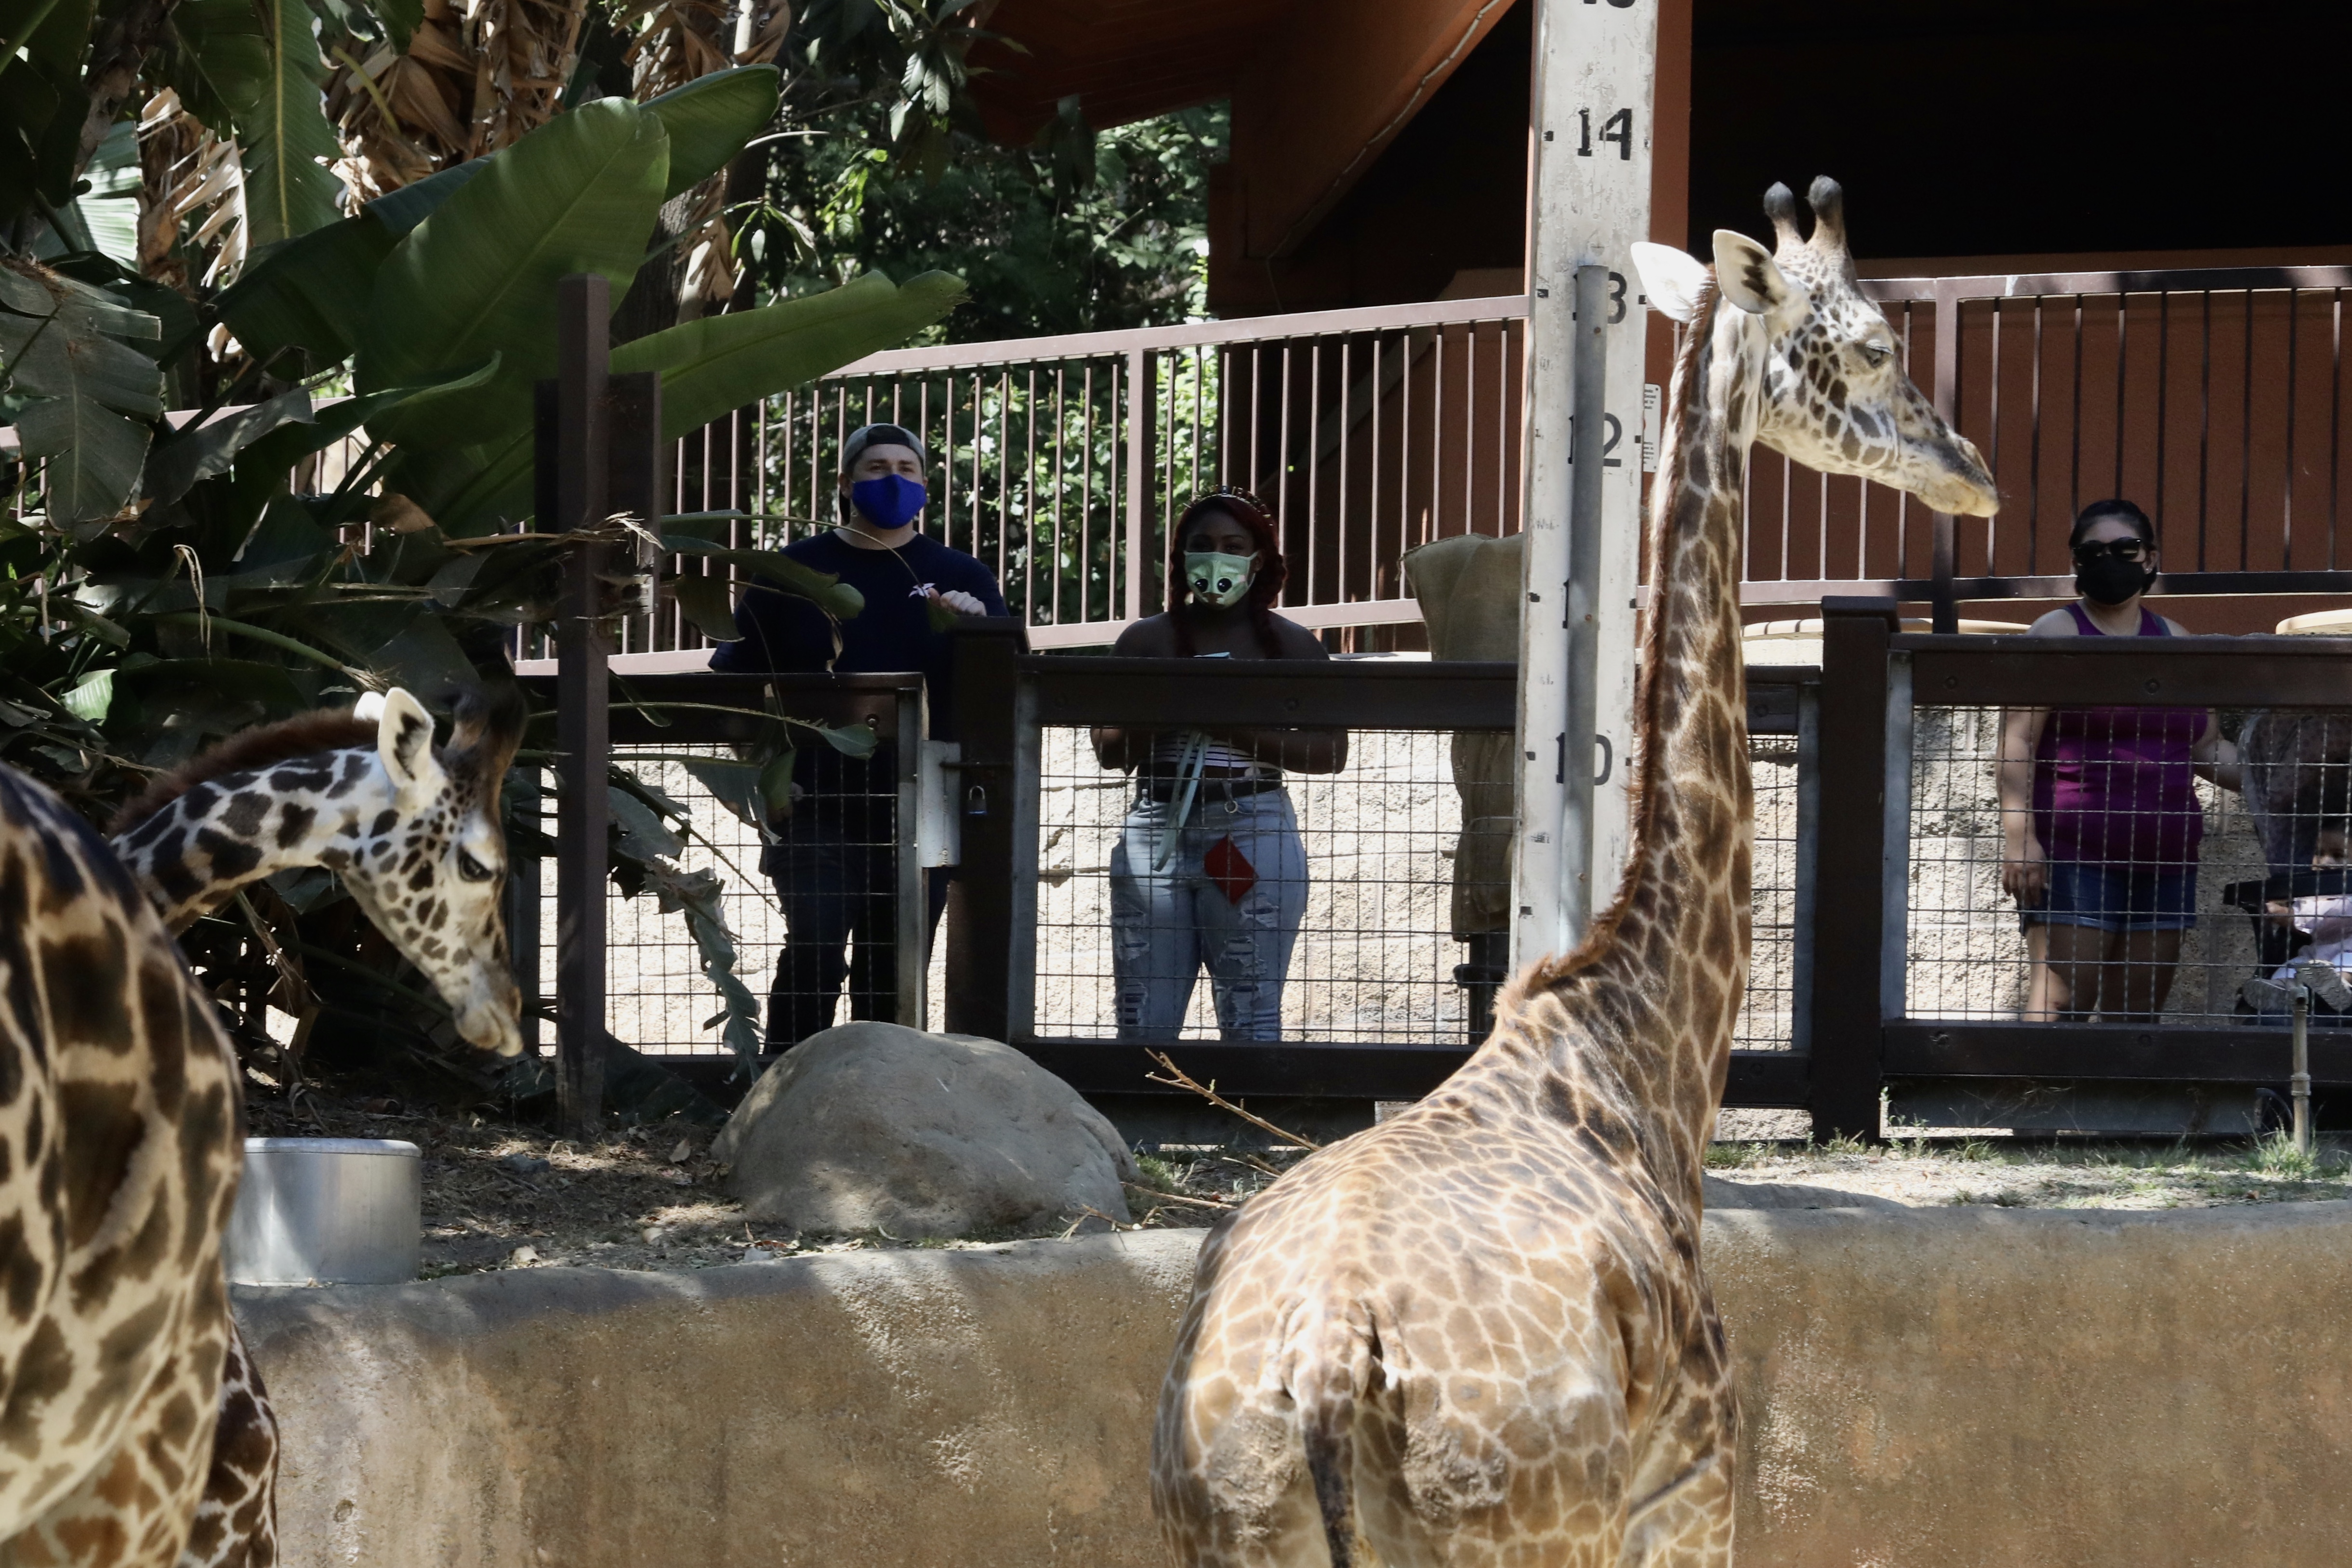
(504, 1196)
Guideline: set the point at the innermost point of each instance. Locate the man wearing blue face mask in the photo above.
(834, 861)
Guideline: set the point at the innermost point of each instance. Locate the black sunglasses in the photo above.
(2122, 549)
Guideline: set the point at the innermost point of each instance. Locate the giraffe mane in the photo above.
(304, 735)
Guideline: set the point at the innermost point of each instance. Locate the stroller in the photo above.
(2278, 944)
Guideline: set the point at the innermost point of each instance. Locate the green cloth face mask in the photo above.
(1219, 580)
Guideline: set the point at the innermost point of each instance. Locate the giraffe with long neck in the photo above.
(1480, 1333)
(414, 834)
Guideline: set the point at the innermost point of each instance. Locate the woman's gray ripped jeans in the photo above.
(1166, 925)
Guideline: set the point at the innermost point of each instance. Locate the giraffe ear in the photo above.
(1747, 275)
(1672, 280)
(403, 738)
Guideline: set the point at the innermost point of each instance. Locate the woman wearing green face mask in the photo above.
(1210, 869)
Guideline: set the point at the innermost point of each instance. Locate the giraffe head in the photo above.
(432, 867)
(1836, 395)
(413, 832)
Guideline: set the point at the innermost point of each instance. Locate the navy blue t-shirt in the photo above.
(783, 632)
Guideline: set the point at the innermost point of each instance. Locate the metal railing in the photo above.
(2215, 397)
(1378, 1002)
(1063, 462)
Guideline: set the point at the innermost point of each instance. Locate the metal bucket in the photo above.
(327, 1211)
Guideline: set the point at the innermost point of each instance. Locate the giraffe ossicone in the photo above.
(1480, 1332)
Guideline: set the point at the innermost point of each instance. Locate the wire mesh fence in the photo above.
(1769, 1013)
(823, 884)
(1385, 924)
(2162, 890)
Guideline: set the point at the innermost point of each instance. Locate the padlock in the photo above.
(975, 801)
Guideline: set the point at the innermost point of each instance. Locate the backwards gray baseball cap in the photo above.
(867, 435)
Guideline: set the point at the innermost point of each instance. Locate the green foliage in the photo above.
(478, 276)
(709, 118)
(284, 130)
(1078, 231)
(81, 388)
(170, 584)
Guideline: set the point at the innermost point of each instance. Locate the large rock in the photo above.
(872, 1126)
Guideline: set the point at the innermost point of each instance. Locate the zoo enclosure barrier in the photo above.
(1388, 990)
(702, 741)
(1920, 972)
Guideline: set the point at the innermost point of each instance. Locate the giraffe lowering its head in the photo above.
(1480, 1333)
(413, 831)
(416, 837)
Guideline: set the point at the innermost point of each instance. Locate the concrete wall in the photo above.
(1933, 1387)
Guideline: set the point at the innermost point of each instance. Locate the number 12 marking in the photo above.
(1618, 127)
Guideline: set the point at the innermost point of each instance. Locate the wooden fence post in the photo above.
(583, 734)
(1945, 605)
(1849, 909)
(980, 939)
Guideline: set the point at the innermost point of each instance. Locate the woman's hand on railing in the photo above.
(2025, 873)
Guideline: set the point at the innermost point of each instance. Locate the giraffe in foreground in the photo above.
(119, 1160)
(1480, 1333)
(415, 836)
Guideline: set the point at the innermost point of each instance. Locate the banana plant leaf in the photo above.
(709, 603)
(88, 393)
(285, 133)
(696, 896)
(708, 367)
(718, 364)
(479, 277)
(826, 591)
(309, 292)
(710, 118)
(185, 457)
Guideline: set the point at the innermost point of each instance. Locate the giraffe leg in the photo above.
(237, 1519)
(1689, 1525)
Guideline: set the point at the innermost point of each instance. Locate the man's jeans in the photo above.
(1165, 926)
(836, 876)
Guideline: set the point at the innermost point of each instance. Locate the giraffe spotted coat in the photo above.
(119, 1158)
(1480, 1334)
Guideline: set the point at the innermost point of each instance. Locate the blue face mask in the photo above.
(888, 502)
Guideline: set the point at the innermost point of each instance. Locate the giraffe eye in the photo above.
(473, 869)
(1876, 354)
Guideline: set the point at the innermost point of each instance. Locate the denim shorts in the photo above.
(2130, 897)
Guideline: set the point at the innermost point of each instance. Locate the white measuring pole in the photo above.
(1594, 66)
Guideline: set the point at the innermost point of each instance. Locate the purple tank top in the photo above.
(2112, 785)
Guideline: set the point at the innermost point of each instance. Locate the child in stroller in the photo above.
(2307, 934)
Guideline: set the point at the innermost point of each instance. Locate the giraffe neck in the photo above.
(1653, 995)
(327, 810)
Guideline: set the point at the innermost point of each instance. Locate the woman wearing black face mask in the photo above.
(2099, 809)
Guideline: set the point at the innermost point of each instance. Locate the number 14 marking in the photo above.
(1618, 127)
